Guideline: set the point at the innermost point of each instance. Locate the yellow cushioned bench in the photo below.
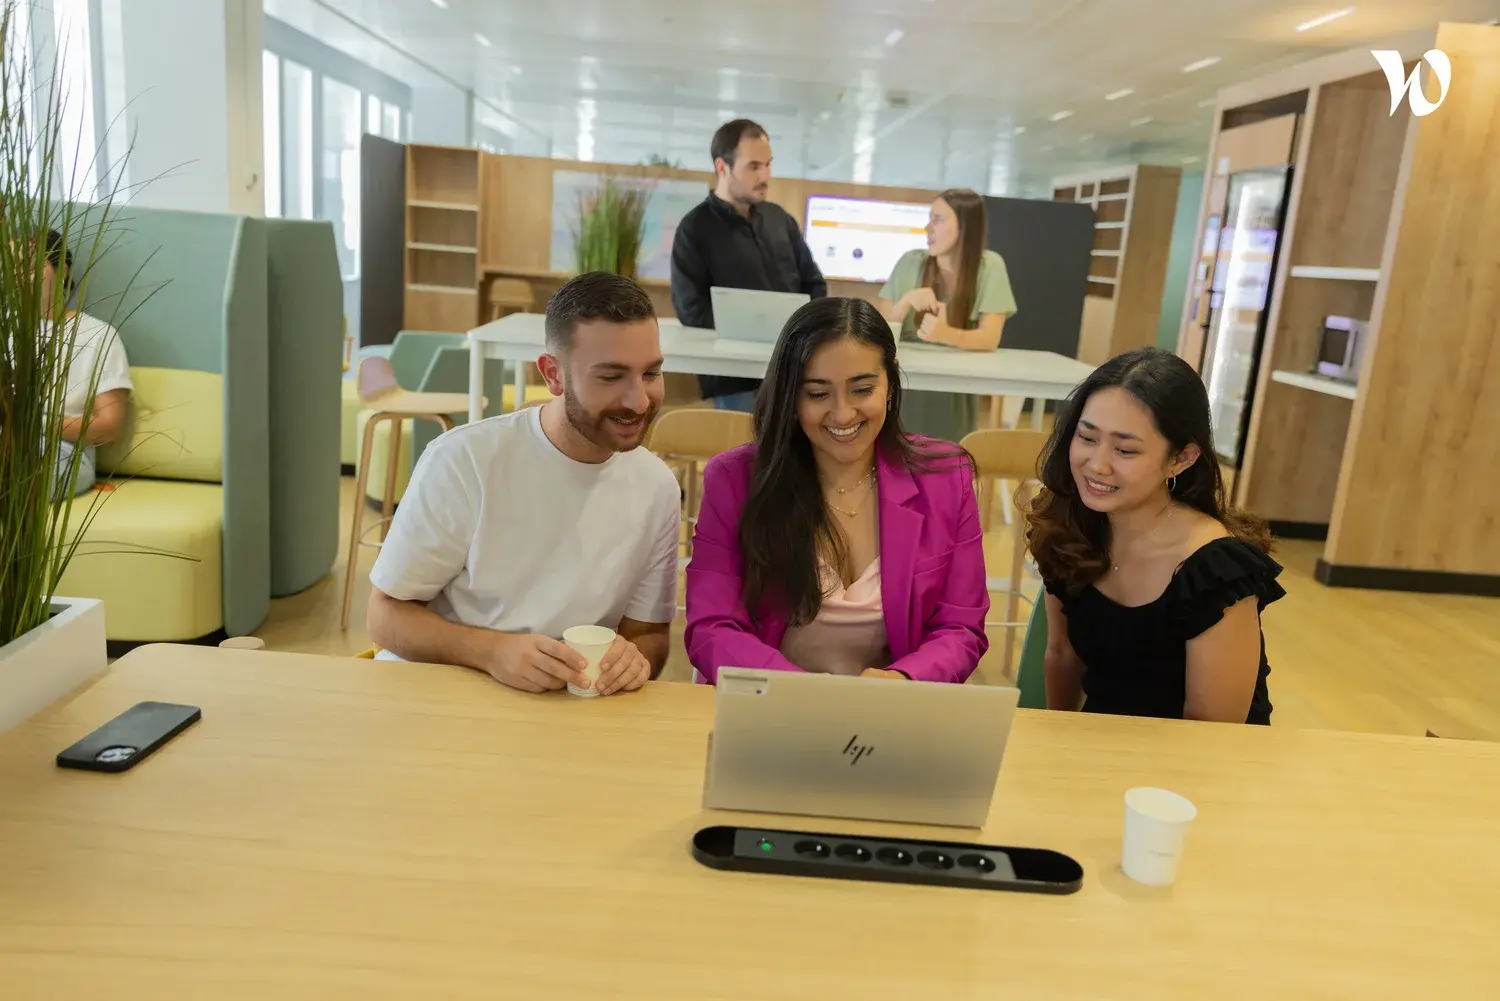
(153, 549)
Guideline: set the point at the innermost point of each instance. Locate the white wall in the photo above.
(192, 103)
(441, 115)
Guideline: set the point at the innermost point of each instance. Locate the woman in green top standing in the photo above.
(955, 293)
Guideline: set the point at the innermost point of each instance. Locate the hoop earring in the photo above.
(1171, 484)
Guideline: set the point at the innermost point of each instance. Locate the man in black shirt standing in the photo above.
(737, 239)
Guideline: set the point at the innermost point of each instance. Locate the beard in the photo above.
(601, 429)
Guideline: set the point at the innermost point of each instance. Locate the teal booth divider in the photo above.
(306, 336)
(187, 290)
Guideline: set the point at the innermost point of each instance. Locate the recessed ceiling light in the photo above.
(1117, 94)
(1319, 21)
(440, 3)
(1208, 102)
(1048, 148)
(1201, 64)
(481, 39)
(1018, 130)
(1058, 116)
(894, 37)
(515, 71)
(1085, 137)
(1143, 120)
(1190, 159)
(824, 115)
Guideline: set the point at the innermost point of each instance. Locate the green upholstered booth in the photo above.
(305, 327)
(182, 544)
(187, 291)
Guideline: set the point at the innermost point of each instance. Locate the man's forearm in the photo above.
(655, 647)
(412, 631)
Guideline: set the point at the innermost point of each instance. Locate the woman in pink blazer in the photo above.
(836, 542)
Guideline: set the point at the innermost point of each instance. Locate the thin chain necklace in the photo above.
(1171, 510)
(841, 491)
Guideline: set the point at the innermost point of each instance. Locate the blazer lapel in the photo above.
(900, 530)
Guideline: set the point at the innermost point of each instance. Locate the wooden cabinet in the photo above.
(1133, 208)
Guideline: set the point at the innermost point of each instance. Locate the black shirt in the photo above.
(715, 245)
(1135, 657)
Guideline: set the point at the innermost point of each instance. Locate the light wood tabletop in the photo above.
(338, 828)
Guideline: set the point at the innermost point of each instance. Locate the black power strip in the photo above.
(887, 860)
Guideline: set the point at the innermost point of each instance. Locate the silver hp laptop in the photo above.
(742, 314)
(863, 748)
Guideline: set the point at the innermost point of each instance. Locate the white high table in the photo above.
(1032, 375)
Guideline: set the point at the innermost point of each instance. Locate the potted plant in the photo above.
(610, 227)
(49, 644)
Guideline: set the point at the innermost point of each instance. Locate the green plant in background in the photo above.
(38, 332)
(610, 227)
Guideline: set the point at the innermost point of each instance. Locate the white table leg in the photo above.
(476, 380)
(520, 400)
(1038, 407)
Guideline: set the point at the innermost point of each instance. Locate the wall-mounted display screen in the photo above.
(855, 239)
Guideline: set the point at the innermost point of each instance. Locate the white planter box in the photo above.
(53, 659)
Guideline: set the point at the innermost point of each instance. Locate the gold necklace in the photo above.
(1171, 510)
(870, 480)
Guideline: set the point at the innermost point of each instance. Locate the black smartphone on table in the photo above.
(130, 737)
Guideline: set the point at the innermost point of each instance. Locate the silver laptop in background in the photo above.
(742, 314)
(830, 745)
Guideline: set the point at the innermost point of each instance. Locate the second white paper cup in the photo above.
(592, 642)
(1156, 822)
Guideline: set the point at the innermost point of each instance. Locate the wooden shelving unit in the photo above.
(1390, 220)
(1133, 212)
(442, 238)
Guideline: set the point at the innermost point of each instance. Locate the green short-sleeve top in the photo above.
(992, 293)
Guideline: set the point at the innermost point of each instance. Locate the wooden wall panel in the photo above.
(1296, 461)
(1420, 484)
(1148, 243)
(1349, 181)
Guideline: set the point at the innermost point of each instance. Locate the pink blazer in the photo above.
(932, 578)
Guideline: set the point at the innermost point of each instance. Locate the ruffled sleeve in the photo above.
(1060, 591)
(1219, 576)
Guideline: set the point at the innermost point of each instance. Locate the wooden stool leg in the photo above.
(357, 520)
(986, 502)
(1013, 598)
(690, 503)
(392, 457)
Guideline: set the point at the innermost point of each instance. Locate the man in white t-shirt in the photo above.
(517, 527)
(98, 380)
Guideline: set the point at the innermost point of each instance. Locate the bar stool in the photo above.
(1000, 455)
(380, 392)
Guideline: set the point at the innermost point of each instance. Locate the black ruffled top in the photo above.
(1135, 657)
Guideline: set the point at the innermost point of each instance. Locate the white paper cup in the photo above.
(591, 642)
(1156, 821)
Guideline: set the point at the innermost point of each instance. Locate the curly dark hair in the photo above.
(1069, 540)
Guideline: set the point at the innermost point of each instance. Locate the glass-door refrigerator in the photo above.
(1239, 296)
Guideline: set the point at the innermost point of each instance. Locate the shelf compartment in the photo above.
(1315, 383)
(442, 248)
(1336, 274)
(428, 203)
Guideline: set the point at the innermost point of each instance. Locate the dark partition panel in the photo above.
(382, 239)
(1046, 246)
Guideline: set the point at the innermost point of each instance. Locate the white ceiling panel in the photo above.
(941, 86)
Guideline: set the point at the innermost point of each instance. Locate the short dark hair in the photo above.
(60, 257)
(594, 295)
(727, 139)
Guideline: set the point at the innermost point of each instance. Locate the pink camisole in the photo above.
(849, 633)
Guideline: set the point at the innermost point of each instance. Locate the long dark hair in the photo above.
(1069, 540)
(968, 209)
(786, 522)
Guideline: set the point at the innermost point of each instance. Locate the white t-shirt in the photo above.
(498, 528)
(96, 345)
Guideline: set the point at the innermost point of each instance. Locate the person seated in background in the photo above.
(515, 528)
(735, 238)
(836, 542)
(98, 388)
(955, 293)
(1154, 584)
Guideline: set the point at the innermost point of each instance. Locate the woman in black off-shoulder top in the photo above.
(1154, 585)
